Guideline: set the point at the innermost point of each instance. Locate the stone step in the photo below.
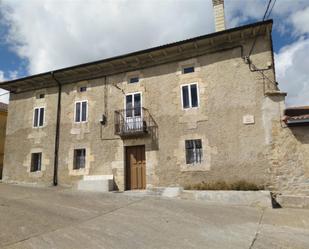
(248, 198)
(156, 191)
(293, 201)
(96, 183)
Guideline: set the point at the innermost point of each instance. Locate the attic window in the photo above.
(188, 70)
(83, 89)
(134, 80)
(40, 96)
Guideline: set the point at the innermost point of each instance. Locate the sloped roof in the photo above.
(296, 116)
(136, 60)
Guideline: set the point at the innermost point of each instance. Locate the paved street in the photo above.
(62, 218)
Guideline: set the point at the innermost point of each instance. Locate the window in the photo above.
(36, 160)
(133, 105)
(38, 117)
(188, 70)
(194, 152)
(79, 158)
(189, 94)
(134, 80)
(83, 89)
(81, 111)
(41, 96)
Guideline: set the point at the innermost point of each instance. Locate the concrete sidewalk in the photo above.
(63, 218)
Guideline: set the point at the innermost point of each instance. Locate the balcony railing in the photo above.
(133, 122)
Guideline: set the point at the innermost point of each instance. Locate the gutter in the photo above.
(57, 135)
(302, 122)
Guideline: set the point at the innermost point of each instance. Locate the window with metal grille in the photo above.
(38, 117)
(186, 70)
(194, 151)
(189, 94)
(36, 160)
(81, 111)
(134, 80)
(79, 158)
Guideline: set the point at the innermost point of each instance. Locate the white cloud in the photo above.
(53, 34)
(4, 96)
(300, 20)
(2, 76)
(292, 71)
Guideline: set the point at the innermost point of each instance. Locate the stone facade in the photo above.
(3, 117)
(237, 120)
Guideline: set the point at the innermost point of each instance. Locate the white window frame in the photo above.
(133, 93)
(39, 115)
(80, 114)
(190, 101)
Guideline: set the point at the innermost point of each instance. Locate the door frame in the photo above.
(126, 188)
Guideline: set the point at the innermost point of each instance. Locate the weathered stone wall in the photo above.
(23, 139)
(3, 117)
(228, 91)
(290, 155)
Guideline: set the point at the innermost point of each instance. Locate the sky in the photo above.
(42, 35)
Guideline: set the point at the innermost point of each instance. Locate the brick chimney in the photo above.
(219, 14)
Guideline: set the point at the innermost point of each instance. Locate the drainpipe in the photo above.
(56, 153)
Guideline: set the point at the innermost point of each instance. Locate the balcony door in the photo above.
(133, 112)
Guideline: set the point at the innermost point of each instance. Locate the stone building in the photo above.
(191, 111)
(202, 109)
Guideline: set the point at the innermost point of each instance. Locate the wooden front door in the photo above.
(135, 167)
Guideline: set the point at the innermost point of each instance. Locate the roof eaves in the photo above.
(174, 44)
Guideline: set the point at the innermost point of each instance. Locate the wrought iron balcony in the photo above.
(133, 122)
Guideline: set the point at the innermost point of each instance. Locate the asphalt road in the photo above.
(62, 218)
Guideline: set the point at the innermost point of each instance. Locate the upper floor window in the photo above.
(189, 95)
(81, 111)
(134, 80)
(40, 95)
(83, 89)
(194, 151)
(186, 70)
(36, 160)
(79, 158)
(38, 117)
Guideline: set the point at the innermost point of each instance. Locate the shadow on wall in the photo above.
(301, 133)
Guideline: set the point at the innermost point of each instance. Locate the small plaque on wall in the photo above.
(248, 119)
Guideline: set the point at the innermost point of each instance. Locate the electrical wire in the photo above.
(271, 9)
(254, 42)
(269, 2)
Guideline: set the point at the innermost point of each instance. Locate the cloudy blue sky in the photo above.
(42, 35)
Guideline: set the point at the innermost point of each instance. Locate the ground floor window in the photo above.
(36, 160)
(194, 151)
(79, 158)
